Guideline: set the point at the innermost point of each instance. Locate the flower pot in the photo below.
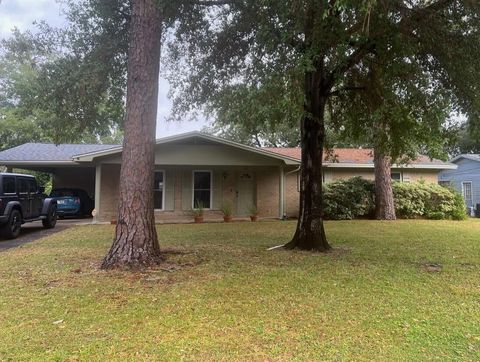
(198, 219)
(227, 218)
(253, 217)
(113, 222)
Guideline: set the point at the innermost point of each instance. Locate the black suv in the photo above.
(21, 201)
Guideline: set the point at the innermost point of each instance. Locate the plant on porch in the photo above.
(227, 211)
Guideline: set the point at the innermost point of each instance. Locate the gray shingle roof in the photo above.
(469, 156)
(49, 151)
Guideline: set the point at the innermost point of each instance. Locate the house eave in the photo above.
(39, 163)
(446, 166)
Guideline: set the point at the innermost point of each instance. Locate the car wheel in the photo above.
(11, 230)
(51, 220)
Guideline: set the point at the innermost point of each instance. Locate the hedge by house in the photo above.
(355, 198)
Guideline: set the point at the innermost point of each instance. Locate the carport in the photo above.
(56, 160)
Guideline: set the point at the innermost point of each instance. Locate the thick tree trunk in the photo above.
(135, 243)
(384, 205)
(310, 232)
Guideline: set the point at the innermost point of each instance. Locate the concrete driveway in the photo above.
(34, 230)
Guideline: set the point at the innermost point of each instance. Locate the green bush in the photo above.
(354, 198)
(418, 199)
(409, 199)
(348, 199)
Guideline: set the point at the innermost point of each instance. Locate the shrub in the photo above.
(348, 199)
(354, 198)
(409, 199)
(418, 199)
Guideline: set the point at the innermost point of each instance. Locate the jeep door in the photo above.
(36, 199)
(23, 196)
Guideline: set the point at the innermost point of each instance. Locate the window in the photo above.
(467, 193)
(9, 185)
(158, 190)
(22, 185)
(396, 176)
(62, 193)
(444, 183)
(32, 186)
(202, 189)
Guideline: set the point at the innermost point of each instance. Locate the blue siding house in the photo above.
(465, 179)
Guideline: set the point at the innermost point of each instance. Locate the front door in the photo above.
(245, 193)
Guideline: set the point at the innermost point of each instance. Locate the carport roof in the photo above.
(49, 152)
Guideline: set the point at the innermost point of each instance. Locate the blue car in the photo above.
(72, 202)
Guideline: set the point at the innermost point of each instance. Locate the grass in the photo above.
(222, 296)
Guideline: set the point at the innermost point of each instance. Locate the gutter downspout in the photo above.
(282, 189)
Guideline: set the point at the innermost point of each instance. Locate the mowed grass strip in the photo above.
(405, 290)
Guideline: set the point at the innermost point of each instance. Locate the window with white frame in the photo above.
(467, 192)
(202, 189)
(158, 186)
(396, 176)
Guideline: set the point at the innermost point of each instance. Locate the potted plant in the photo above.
(253, 213)
(197, 212)
(227, 212)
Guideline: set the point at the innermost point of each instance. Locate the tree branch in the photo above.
(344, 89)
(214, 2)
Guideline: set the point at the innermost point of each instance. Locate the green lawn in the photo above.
(222, 296)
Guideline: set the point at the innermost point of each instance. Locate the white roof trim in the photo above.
(88, 157)
(445, 166)
(472, 157)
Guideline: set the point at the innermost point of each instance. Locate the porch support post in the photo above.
(98, 183)
(281, 203)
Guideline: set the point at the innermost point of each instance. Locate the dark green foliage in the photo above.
(348, 199)
(64, 85)
(354, 198)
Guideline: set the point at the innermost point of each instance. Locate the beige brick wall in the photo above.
(411, 175)
(109, 192)
(419, 175)
(338, 174)
(268, 179)
(292, 195)
(268, 200)
(267, 190)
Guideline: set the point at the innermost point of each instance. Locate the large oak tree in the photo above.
(326, 43)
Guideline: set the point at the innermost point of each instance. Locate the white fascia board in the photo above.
(466, 156)
(446, 166)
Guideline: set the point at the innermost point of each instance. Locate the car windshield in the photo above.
(62, 193)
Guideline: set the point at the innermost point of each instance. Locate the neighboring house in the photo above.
(465, 179)
(196, 166)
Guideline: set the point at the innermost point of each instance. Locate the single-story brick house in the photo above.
(197, 166)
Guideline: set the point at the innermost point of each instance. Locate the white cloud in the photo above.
(23, 13)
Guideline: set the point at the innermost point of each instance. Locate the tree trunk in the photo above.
(310, 232)
(384, 205)
(135, 243)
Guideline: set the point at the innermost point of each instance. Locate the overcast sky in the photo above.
(23, 13)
